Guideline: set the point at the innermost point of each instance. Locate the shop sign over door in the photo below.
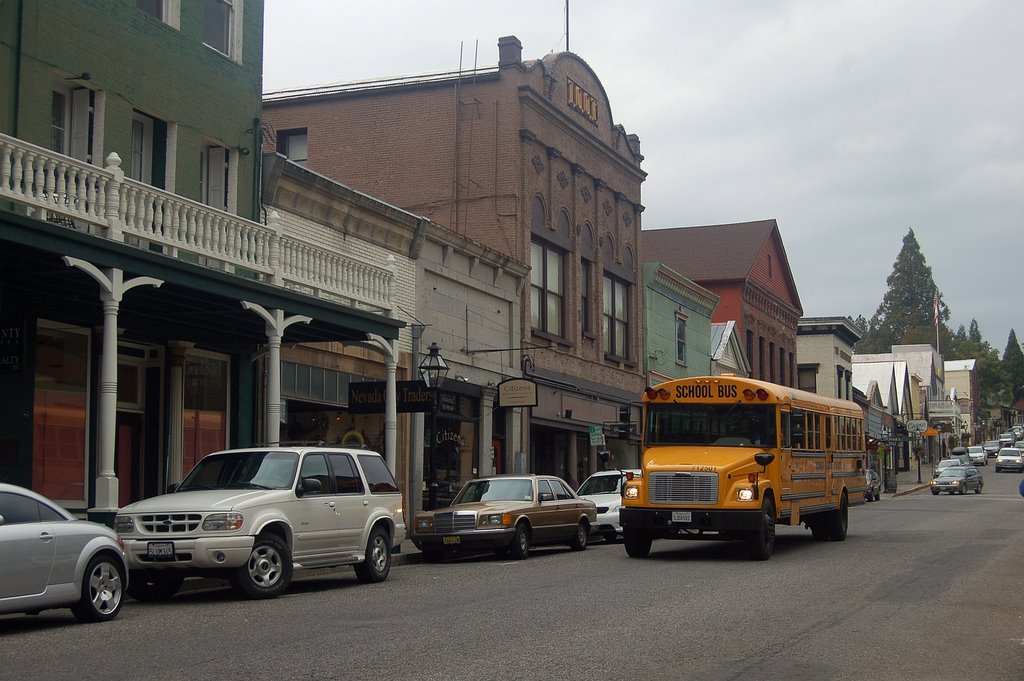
(517, 392)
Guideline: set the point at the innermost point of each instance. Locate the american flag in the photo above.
(935, 307)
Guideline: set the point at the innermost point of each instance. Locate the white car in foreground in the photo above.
(604, 488)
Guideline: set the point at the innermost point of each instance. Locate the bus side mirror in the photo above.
(764, 458)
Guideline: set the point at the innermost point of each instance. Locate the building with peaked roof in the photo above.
(746, 265)
(524, 158)
(727, 355)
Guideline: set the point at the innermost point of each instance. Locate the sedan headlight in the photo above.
(425, 524)
(222, 522)
(494, 520)
(124, 524)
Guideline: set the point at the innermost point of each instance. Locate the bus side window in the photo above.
(786, 430)
(797, 428)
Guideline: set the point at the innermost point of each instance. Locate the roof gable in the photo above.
(744, 251)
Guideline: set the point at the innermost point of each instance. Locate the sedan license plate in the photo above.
(451, 540)
(160, 550)
(680, 516)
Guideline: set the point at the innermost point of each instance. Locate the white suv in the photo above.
(255, 515)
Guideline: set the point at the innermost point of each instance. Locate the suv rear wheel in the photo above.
(377, 564)
(267, 573)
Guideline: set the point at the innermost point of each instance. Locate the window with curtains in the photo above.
(206, 406)
(680, 339)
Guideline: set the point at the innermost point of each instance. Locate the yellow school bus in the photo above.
(726, 457)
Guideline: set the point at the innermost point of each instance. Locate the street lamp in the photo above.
(433, 370)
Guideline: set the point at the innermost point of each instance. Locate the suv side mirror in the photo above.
(309, 486)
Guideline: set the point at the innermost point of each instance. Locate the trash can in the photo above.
(890, 481)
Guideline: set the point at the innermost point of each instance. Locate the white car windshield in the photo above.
(601, 484)
(495, 490)
(242, 470)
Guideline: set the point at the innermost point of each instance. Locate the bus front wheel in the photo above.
(637, 542)
(761, 542)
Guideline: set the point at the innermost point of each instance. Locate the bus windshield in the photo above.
(717, 425)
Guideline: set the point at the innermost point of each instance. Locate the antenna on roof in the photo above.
(566, 25)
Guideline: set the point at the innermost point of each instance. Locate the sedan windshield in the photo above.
(242, 470)
(495, 490)
(955, 472)
(723, 425)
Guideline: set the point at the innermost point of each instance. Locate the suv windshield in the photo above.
(723, 425)
(495, 490)
(242, 470)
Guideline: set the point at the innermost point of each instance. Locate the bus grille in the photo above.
(683, 488)
(454, 522)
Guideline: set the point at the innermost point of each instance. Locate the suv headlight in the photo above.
(222, 522)
(124, 524)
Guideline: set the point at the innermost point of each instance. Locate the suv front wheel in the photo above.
(267, 573)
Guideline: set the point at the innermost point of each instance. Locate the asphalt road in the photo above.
(923, 588)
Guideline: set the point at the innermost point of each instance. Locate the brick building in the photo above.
(526, 159)
(746, 265)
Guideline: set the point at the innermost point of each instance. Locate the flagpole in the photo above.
(935, 306)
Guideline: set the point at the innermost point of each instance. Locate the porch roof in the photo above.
(195, 303)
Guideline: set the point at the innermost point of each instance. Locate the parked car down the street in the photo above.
(604, 488)
(1010, 459)
(873, 485)
(506, 514)
(957, 480)
(50, 559)
(978, 455)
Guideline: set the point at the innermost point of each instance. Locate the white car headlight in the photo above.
(222, 522)
(124, 524)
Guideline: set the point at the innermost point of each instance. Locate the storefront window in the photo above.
(59, 413)
(455, 451)
(206, 407)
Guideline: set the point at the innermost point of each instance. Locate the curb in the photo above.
(915, 488)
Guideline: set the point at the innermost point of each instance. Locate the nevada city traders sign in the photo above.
(368, 397)
(582, 101)
(517, 392)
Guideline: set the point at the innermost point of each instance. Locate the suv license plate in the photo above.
(451, 540)
(680, 516)
(160, 550)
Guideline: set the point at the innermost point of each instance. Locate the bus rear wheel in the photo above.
(637, 542)
(838, 521)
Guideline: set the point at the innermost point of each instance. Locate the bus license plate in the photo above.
(451, 540)
(680, 516)
(160, 550)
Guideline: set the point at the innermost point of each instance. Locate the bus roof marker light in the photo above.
(748, 394)
(762, 394)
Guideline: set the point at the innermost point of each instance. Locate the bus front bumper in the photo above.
(670, 522)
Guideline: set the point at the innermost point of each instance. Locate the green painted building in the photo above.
(142, 307)
(677, 325)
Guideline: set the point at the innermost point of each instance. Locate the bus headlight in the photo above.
(745, 494)
(632, 493)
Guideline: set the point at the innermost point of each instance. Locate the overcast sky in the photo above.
(848, 121)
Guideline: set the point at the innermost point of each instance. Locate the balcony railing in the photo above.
(104, 203)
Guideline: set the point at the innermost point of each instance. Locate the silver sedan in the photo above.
(53, 560)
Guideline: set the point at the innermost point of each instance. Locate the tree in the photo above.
(993, 381)
(1013, 367)
(906, 314)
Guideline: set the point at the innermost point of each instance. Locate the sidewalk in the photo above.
(907, 481)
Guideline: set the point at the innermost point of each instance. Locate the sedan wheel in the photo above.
(579, 540)
(102, 593)
(520, 546)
